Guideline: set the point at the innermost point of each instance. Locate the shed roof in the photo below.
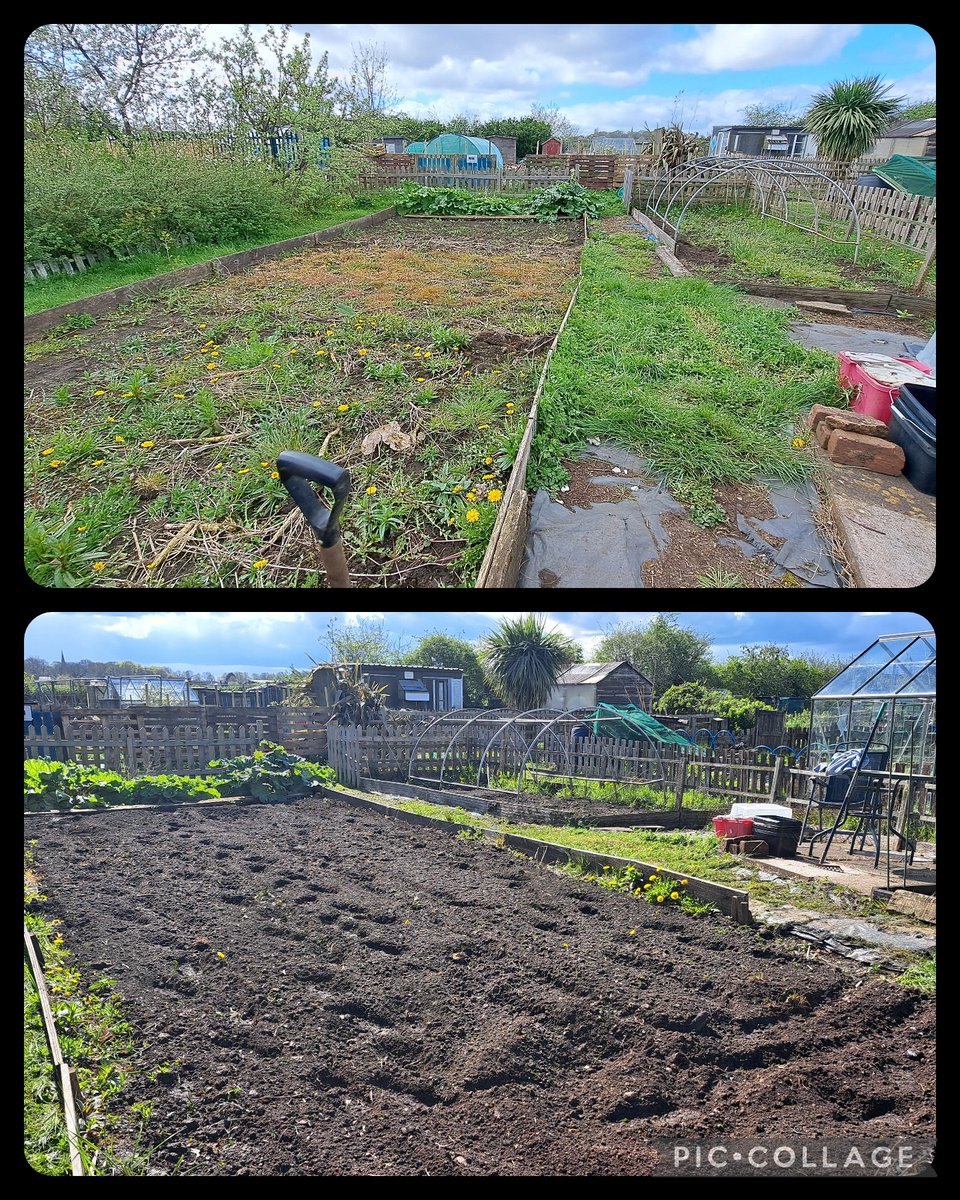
(912, 128)
(594, 672)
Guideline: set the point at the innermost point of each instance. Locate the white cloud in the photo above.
(739, 615)
(750, 47)
(353, 619)
(198, 625)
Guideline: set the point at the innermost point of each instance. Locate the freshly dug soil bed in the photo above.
(397, 1002)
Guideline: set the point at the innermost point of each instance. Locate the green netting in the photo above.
(629, 721)
(913, 176)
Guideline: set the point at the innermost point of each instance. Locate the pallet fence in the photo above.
(75, 264)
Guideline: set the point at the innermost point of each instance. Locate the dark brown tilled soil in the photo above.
(397, 1002)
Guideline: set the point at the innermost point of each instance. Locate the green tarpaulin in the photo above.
(912, 176)
(632, 722)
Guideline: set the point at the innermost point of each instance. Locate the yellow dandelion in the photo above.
(127, 396)
(798, 443)
(56, 462)
(214, 378)
(482, 427)
(683, 882)
(98, 462)
(258, 566)
(428, 354)
(451, 521)
(458, 488)
(488, 460)
(342, 407)
(362, 350)
(179, 396)
(494, 495)
(317, 404)
(633, 933)
(147, 445)
(471, 495)
(151, 566)
(99, 393)
(110, 420)
(420, 379)
(646, 887)
(81, 529)
(264, 464)
(372, 490)
(321, 353)
(244, 471)
(218, 466)
(472, 515)
(659, 899)
(220, 954)
(274, 474)
(201, 326)
(329, 333)
(274, 364)
(50, 451)
(119, 440)
(99, 566)
(674, 895)
(293, 350)
(214, 353)
(488, 476)
(213, 366)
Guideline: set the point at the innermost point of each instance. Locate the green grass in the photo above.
(64, 289)
(633, 795)
(685, 854)
(704, 384)
(921, 976)
(764, 249)
(166, 416)
(44, 1133)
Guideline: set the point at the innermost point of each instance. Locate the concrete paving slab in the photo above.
(887, 527)
(822, 335)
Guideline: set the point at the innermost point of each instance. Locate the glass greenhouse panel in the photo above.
(853, 677)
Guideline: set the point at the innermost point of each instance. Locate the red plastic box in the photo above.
(732, 827)
(876, 380)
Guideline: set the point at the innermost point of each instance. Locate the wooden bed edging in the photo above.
(731, 901)
(504, 555)
(66, 1078)
(921, 306)
(229, 264)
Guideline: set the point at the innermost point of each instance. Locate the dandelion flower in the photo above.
(100, 393)
(451, 521)
(488, 460)
(244, 471)
(472, 515)
(110, 420)
(683, 882)
(488, 476)
(81, 529)
(421, 379)
(98, 462)
(50, 451)
(218, 466)
(274, 474)
(257, 566)
(659, 899)
(293, 350)
(633, 933)
(494, 495)
(372, 490)
(482, 427)
(179, 396)
(329, 333)
(119, 440)
(342, 407)
(99, 566)
(201, 326)
(220, 953)
(646, 887)
(56, 462)
(150, 566)
(317, 404)
(458, 488)
(362, 350)
(213, 366)
(214, 353)
(428, 354)
(320, 353)
(264, 464)
(147, 445)
(798, 443)
(674, 895)
(471, 495)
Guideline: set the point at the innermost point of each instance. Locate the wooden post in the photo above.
(681, 781)
(928, 261)
(775, 782)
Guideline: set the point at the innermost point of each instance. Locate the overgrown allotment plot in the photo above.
(408, 352)
(314, 989)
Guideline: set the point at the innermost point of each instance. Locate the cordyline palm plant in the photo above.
(523, 662)
(849, 117)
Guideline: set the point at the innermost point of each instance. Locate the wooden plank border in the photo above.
(229, 264)
(732, 901)
(501, 562)
(64, 1074)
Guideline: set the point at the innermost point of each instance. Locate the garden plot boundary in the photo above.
(501, 563)
(731, 901)
(228, 264)
(665, 245)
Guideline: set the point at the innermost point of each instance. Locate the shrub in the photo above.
(270, 774)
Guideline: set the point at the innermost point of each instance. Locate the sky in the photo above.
(625, 76)
(257, 642)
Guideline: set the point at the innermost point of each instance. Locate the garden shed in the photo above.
(585, 685)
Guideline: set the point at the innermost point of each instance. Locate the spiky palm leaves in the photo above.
(523, 661)
(849, 117)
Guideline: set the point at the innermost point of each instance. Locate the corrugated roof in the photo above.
(593, 672)
(912, 128)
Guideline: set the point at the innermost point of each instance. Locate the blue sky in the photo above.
(615, 76)
(247, 641)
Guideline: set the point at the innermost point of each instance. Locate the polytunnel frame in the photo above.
(578, 714)
(511, 724)
(722, 167)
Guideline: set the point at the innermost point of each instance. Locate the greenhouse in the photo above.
(458, 145)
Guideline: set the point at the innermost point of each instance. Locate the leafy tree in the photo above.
(441, 650)
(560, 125)
(663, 650)
(529, 132)
(684, 698)
(368, 642)
(773, 114)
(769, 671)
(523, 662)
(917, 112)
(124, 74)
(850, 115)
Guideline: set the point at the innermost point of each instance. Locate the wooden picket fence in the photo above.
(391, 173)
(181, 742)
(75, 264)
(905, 220)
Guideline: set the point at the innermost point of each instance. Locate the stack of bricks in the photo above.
(853, 439)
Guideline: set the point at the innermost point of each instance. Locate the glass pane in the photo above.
(926, 681)
(901, 671)
(862, 717)
(829, 726)
(850, 680)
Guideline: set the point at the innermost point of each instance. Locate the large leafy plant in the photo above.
(270, 774)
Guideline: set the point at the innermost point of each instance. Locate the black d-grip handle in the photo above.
(297, 472)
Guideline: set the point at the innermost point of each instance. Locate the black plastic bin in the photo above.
(782, 834)
(913, 426)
